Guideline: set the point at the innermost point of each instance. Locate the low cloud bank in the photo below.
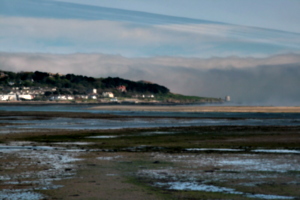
(263, 81)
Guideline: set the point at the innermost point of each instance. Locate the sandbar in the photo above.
(183, 108)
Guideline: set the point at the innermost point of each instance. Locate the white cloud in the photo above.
(19, 34)
(84, 31)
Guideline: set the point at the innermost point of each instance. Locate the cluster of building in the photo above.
(15, 97)
(27, 93)
(72, 97)
(144, 96)
(31, 90)
(24, 93)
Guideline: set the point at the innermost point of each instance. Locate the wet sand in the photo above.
(143, 163)
(252, 109)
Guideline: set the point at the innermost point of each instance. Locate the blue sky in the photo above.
(248, 49)
(136, 28)
(274, 14)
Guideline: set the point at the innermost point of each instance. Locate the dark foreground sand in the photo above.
(259, 109)
(131, 165)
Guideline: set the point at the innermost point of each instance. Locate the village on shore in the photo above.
(50, 94)
(48, 87)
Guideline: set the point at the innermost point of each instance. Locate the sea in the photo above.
(153, 119)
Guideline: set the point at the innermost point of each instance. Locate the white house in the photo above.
(92, 96)
(150, 96)
(93, 91)
(62, 98)
(25, 97)
(70, 97)
(108, 94)
(8, 97)
(78, 97)
(227, 98)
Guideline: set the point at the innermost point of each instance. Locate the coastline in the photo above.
(204, 108)
(46, 103)
(162, 107)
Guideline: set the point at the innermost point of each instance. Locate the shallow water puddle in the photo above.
(20, 195)
(33, 167)
(173, 179)
(73, 143)
(18, 148)
(29, 124)
(158, 133)
(203, 172)
(212, 149)
(109, 157)
(276, 151)
(196, 187)
(193, 186)
(103, 136)
(237, 162)
(142, 134)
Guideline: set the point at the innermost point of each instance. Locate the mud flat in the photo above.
(251, 109)
(195, 162)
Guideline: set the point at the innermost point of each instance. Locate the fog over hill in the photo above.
(266, 81)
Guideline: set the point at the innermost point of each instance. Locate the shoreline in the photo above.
(67, 103)
(180, 108)
(163, 107)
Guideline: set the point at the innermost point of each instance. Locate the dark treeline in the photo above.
(140, 87)
(76, 83)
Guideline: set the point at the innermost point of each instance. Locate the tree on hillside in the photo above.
(40, 76)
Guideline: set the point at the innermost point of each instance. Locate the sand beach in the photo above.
(183, 108)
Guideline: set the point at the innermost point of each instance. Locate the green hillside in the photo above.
(71, 84)
(76, 84)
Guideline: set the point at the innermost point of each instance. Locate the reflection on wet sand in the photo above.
(66, 156)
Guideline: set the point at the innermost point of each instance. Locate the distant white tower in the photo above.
(227, 98)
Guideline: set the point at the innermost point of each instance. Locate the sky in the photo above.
(246, 49)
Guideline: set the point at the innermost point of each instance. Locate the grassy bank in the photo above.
(179, 98)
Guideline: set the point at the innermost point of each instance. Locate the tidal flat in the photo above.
(181, 161)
